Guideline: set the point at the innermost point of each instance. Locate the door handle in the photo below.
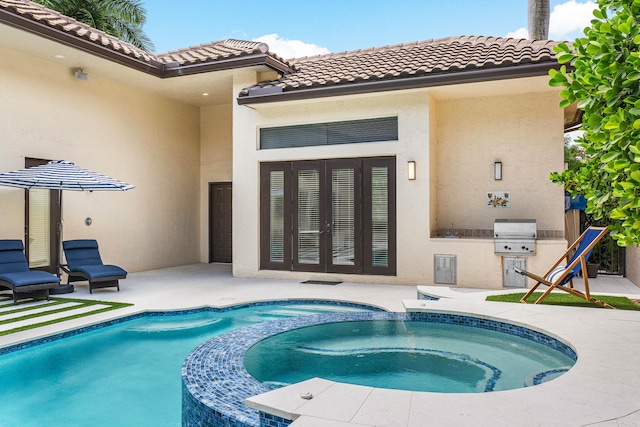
(327, 228)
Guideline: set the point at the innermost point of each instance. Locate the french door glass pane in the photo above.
(39, 226)
(380, 216)
(309, 216)
(342, 207)
(276, 216)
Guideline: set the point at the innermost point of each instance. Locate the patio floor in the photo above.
(602, 389)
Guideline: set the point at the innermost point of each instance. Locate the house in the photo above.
(357, 166)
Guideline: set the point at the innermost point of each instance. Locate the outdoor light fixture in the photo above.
(411, 170)
(81, 75)
(497, 171)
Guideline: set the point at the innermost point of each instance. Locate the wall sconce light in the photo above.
(497, 171)
(81, 75)
(411, 170)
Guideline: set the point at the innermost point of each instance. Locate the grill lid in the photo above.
(521, 229)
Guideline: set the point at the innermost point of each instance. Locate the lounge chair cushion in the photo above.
(80, 253)
(83, 259)
(27, 278)
(12, 257)
(99, 271)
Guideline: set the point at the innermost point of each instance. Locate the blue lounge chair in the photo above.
(84, 263)
(560, 275)
(16, 276)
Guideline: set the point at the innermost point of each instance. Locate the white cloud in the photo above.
(566, 21)
(291, 48)
(520, 33)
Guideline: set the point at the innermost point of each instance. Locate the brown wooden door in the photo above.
(220, 249)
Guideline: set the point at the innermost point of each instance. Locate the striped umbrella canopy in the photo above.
(61, 175)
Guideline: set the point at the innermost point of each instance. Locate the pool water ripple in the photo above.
(489, 380)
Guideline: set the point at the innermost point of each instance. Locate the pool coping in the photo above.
(601, 389)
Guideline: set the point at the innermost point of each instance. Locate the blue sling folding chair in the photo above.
(560, 276)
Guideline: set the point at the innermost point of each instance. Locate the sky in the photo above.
(295, 28)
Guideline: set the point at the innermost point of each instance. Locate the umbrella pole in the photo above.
(61, 289)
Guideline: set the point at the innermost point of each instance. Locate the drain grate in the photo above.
(320, 282)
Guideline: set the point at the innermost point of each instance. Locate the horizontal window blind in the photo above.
(39, 226)
(334, 133)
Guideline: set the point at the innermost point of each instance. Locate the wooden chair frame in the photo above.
(571, 262)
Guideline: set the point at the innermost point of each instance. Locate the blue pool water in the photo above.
(126, 374)
(416, 356)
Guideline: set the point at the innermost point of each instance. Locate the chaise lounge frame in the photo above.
(16, 276)
(85, 264)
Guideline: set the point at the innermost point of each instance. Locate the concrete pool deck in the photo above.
(602, 389)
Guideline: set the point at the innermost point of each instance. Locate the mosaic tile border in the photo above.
(55, 337)
(268, 420)
(216, 384)
(426, 297)
(543, 376)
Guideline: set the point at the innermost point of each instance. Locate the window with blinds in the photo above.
(379, 216)
(309, 216)
(39, 226)
(343, 216)
(276, 214)
(347, 132)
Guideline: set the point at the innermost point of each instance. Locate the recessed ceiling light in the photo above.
(205, 94)
(58, 56)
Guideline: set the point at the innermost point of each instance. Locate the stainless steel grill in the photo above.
(515, 236)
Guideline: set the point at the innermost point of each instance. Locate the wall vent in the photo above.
(444, 269)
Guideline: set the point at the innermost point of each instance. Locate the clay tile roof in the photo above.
(38, 19)
(223, 49)
(55, 20)
(408, 61)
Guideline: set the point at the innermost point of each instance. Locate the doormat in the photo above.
(320, 282)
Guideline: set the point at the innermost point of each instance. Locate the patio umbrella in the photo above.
(61, 175)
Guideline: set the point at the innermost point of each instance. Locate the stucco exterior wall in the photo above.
(451, 140)
(633, 264)
(522, 131)
(120, 131)
(216, 152)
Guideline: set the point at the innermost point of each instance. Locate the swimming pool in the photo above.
(121, 373)
(216, 382)
(405, 355)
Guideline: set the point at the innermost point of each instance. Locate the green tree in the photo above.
(605, 81)
(120, 18)
(574, 154)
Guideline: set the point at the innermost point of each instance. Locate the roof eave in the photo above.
(151, 67)
(171, 70)
(443, 79)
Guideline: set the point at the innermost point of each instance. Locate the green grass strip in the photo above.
(20, 309)
(56, 301)
(564, 299)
